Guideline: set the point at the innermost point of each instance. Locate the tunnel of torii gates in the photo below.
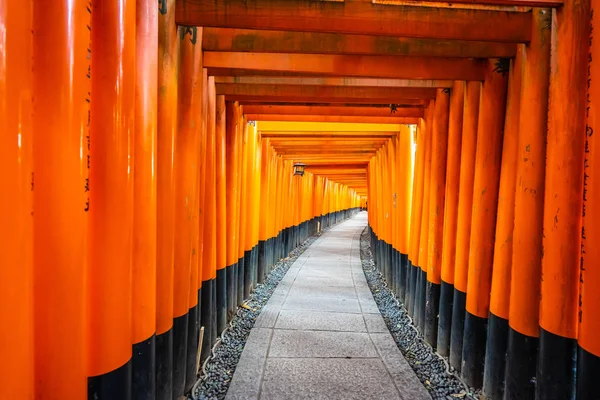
(147, 153)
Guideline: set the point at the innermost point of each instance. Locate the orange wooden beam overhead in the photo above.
(376, 95)
(327, 135)
(357, 17)
(400, 103)
(327, 144)
(332, 118)
(304, 141)
(335, 81)
(335, 110)
(403, 67)
(336, 169)
(261, 41)
(489, 3)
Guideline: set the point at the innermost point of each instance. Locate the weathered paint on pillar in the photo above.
(437, 198)
(209, 306)
(455, 126)
(564, 193)
(232, 204)
(488, 159)
(529, 211)
(221, 210)
(166, 128)
(415, 216)
(463, 229)
(588, 357)
(186, 179)
(497, 337)
(424, 233)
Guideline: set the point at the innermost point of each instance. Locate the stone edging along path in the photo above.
(432, 370)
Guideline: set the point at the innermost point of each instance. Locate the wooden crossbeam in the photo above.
(489, 4)
(403, 67)
(343, 129)
(332, 118)
(390, 94)
(335, 81)
(357, 17)
(400, 103)
(333, 110)
(327, 135)
(261, 41)
(347, 141)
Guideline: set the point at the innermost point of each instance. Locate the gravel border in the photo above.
(218, 369)
(434, 372)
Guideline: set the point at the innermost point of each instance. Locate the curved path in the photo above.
(321, 335)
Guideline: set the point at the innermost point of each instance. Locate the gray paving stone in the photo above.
(369, 307)
(344, 275)
(319, 303)
(306, 344)
(268, 316)
(338, 292)
(375, 323)
(330, 281)
(404, 377)
(249, 371)
(321, 321)
(329, 379)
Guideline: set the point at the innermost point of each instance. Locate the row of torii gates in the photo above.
(147, 153)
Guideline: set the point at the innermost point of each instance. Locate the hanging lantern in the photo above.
(299, 168)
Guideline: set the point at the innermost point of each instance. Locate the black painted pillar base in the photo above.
(271, 253)
(393, 268)
(445, 321)
(221, 299)
(432, 306)
(421, 299)
(254, 257)
(557, 365)
(407, 276)
(417, 306)
(279, 246)
(285, 242)
(521, 364)
(164, 365)
(402, 272)
(231, 272)
(389, 251)
(588, 371)
(180, 332)
(241, 276)
(192, 348)
(207, 308)
(213, 315)
(143, 363)
(113, 385)
(473, 356)
(247, 273)
(414, 274)
(495, 357)
(459, 305)
(262, 261)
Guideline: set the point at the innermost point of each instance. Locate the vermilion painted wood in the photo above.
(404, 67)
(262, 41)
(335, 110)
(357, 18)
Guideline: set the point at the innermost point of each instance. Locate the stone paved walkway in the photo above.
(321, 335)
